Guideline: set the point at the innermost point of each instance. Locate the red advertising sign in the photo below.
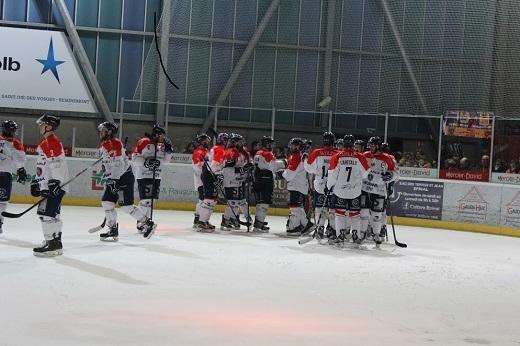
(459, 174)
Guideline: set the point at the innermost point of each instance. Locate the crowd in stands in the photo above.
(466, 164)
(417, 159)
(501, 166)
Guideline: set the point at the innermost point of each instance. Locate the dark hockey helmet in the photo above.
(158, 130)
(266, 140)
(376, 141)
(9, 128)
(110, 126)
(49, 119)
(296, 141)
(339, 143)
(222, 138)
(361, 143)
(348, 141)
(202, 137)
(234, 139)
(328, 139)
(385, 147)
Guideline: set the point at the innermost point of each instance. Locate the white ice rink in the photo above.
(187, 288)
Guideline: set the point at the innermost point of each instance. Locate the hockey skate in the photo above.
(50, 248)
(309, 227)
(235, 224)
(358, 237)
(196, 222)
(226, 225)
(320, 232)
(205, 227)
(149, 229)
(111, 235)
(140, 227)
(295, 232)
(260, 227)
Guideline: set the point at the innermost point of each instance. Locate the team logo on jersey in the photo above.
(3, 194)
(355, 203)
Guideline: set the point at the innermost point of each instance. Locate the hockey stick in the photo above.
(14, 216)
(221, 190)
(248, 216)
(153, 177)
(304, 239)
(403, 245)
(98, 228)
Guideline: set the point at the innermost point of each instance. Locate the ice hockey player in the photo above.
(235, 171)
(150, 153)
(347, 170)
(298, 187)
(119, 187)
(265, 170)
(385, 148)
(12, 157)
(51, 172)
(198, 159)
(212, 178)
(383, 171)
(359, 146)
(339, 144)
(317, 163)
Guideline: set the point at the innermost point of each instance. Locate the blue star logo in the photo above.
(50, 63)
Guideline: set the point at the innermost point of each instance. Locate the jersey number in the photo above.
(324, 172)
(349, 172)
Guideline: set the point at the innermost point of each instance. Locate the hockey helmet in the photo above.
(328, 139)
(348, 141)
(222, 138)
(266, 140)
(110, 126)
(296, 141)
(158, 130)
(9, 128)
(202, 137)
(339, 143)
(49, 119)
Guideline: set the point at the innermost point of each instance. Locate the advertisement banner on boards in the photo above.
(510, 209)
(417, 172)
(505, 178)
(418, 199)
(38, 71)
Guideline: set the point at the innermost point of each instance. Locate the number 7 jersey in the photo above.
(347, 170)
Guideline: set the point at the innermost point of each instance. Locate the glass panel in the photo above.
(506, 156)
(197, 92)
(110, 14)
(87, 13)
(40, 11)
(15, 10)
(131, 58)
(108, 67)
(133, 16)
(56, 16)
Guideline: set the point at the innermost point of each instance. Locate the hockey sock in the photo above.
(331, 216)
(376, 218)
(135, 212)
(199, 205)
(206, 209)
(364, 216)
(51, 226)
(261, 211)
(110, 213)
(355, 220)
(243, 207)
(296, 214)
(146, 206)
(341, 220)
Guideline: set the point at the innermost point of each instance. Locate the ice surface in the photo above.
(187, 288)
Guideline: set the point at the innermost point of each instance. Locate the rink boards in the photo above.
(461, 205)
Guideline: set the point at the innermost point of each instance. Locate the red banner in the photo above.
(458, 174)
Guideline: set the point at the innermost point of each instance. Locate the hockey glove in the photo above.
(168, 146)
(151, 163)
(35, 189)
(53, 189)
(21, 175)
(387, 176)
(248, 168)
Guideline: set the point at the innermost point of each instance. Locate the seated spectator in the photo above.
(513, 168)
(464, 163)
(500, 166)
(484, 162)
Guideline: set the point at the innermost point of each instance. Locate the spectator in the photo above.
(513, 168)
(464, 163)
(500, 166)
(484, 162)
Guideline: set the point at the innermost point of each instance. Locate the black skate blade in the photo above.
(48, 253)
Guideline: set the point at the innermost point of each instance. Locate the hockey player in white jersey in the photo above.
(265, 170)
(12, 158)
(198, 160)
(317, 163)
(347, 170)
(385, 147)
(383, 171)
(119, 187)
(150, 154)
(298, 187)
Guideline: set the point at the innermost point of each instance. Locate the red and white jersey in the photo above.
(379, 164)
(265, 160)
(232, 176)
(318, 164)
(347, 170)
(12, 154)
(145, 149)
(198, 157)
(216, 158)
(115, 161)
(295, 174)
(51, 162)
